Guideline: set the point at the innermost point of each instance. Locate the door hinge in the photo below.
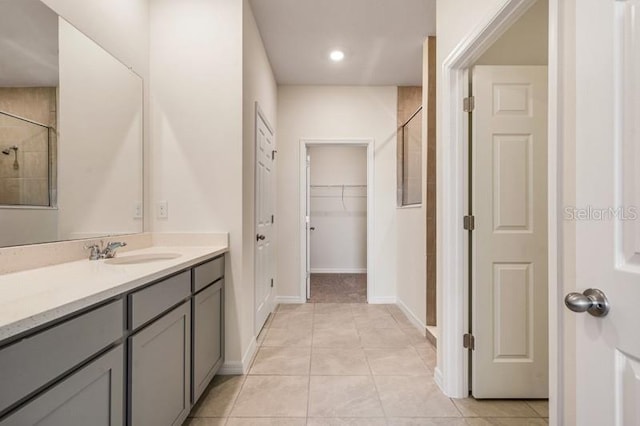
(272, 282)
(468, 104)
(273, 154)
(469, 223)
(468, 341)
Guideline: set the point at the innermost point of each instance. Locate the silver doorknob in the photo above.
(260, 237)
(592, 300)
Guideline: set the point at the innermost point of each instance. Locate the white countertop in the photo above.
(34, 297)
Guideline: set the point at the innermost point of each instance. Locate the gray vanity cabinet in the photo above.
(142, 358)
(208, 338)
(160, 366)
(93, 395)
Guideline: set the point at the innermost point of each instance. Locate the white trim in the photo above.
(284, 300)
(234, 368)
(231, 368)
(422, 327)
(369, 143)
(388, 300)
(555, 220)
(452, 269)
(437, 377)
(409, 207)
(338, 270)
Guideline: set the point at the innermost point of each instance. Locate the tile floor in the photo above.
(338, 288)
(330, 364)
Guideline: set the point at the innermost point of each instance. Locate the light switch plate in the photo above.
(137, 210)
(163, 210)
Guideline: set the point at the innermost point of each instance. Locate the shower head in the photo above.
(7, 151)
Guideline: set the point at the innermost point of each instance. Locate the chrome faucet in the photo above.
(110, 251)
(98, 251)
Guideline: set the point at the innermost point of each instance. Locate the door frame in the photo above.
(305, 143)
(260, 115)
(452, 372)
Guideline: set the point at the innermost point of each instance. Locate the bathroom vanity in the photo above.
(111, 344)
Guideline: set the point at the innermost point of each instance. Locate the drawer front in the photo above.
(93, 395)
(146, 304)
(38, 359)
(207, 273)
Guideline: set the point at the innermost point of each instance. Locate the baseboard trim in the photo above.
(236, 368)
(381, 300)
(339, 271)
(411, 316)
(289, 299)
(432, 336)
(437, 377)
(231, 368)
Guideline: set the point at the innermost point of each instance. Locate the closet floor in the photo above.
(338, 288)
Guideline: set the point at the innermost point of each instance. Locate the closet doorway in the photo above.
(336, 206)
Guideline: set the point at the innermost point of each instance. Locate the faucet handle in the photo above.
(94, 251)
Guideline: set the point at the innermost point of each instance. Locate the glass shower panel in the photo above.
(412, 161)
(24, 162)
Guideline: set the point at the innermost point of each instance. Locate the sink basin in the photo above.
(141, 258)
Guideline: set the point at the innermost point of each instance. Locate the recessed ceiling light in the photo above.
(336, 55)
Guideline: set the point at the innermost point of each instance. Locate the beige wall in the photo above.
(196, 129)
(411, 239)
(202, 127)
(259, 85)
(525, 43)
(334, 112)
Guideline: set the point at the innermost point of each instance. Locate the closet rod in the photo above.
(338, 186)
(338, 196)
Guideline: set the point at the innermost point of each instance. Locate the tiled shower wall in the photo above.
(28, 184)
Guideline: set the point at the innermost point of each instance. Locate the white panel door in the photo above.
(264, 218)
(606, 212)
(509, 243)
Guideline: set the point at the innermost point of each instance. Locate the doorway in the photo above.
(336, 210)
(338, 224)
(508, 232)
(507, 338)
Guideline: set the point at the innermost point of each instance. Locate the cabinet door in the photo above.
(160, 370)
(207, 336)
(94, 395)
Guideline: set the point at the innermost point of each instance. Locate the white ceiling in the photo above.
(382, 39)
(28, 44)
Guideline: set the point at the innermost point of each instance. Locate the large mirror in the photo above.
(71, 132)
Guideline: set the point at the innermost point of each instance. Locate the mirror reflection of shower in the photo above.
(7, 151)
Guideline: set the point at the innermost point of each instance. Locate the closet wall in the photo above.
(338, 209)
